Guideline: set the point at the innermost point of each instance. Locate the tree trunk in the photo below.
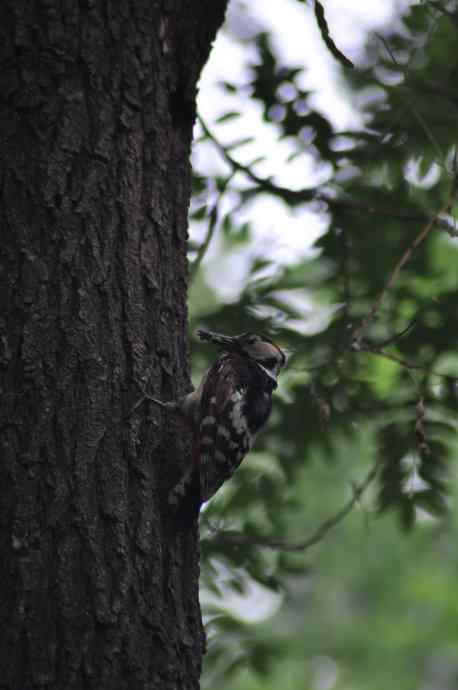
(97, 587)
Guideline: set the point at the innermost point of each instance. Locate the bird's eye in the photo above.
(269, 363)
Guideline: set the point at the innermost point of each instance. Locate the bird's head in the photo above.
(259, 349)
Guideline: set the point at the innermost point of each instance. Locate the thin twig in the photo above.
(212, 222)
(364, 207)
(357, 333)
(437, 5)
(239, 539)
(345, 261)
(397, 336)
(307, 194)
(289, 195)
(403, 362)
(436, 88)
(410, 104)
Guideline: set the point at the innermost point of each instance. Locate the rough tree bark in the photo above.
(97, 588)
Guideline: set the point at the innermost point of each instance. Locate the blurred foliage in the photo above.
(373, 606)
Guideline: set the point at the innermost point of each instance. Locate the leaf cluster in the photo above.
(358, 392)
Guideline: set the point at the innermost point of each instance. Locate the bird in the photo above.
(225, 413)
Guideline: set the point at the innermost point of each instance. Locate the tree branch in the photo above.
(307, 194)
(358, 332)
(239, 539)
(364, 207)
(377, 350)
(212, 221)
(289, 195)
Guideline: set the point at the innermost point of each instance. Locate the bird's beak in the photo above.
(225, 341)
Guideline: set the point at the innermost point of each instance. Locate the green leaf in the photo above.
(227, 117)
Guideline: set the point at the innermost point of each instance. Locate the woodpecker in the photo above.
(231, 405)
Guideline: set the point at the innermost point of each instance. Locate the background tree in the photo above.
(369, 317)
(97, 108)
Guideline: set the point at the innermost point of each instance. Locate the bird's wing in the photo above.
(224, 437)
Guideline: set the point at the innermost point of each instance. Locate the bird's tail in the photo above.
(185, 499)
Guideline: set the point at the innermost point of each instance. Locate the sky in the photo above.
(281, 234)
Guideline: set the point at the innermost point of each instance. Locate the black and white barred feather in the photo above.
(231, 405)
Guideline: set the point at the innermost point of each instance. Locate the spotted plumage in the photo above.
(231, 405)
(222, 445)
